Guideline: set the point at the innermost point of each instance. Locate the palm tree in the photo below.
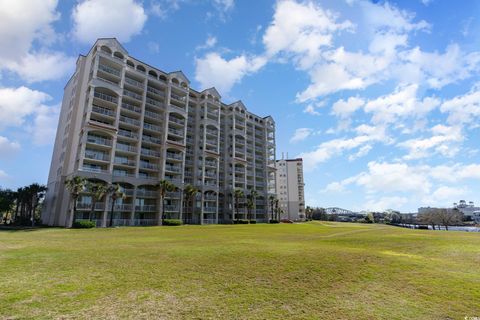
(272, 202)
(253, 197)
(190, 193)
(249, 206)
(115, 192)
(35, 193)
(164, 186)
(308, 212)
(75, 185)
(277, 210)
(237, 195)
(98, 191)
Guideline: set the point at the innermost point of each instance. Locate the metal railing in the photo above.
(109, 70)
(105, 97)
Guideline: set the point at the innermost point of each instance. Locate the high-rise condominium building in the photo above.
(290, 188)
(127, 123)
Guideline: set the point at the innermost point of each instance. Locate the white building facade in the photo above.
(127, 123)
(290, 188)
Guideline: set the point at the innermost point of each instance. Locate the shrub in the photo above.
(240, 221)
(84, 224)
(172, 222)
(274, 221)
(253, 221)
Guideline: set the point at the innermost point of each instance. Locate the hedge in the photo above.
(241, 221)
(274, 221)
(172, 222)
(84, 224)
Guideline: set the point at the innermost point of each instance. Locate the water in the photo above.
(451, 228)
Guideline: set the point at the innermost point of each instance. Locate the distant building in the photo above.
(290, 188)
(468, 210)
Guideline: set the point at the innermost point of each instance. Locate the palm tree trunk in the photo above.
(111, 213)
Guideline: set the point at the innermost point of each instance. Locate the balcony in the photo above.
(131, 121)
(151, 127)
(155, 91)
(94, 169)
(103, 111)
(149, 166)
(109, 70)
(174, 156)
(210, 174)
(148, 152)
(153, 115)
(127, 134)
(88, 206)
(210, 164)
(124, 162)
(178, 98)
(99, 141)
(96, 156)
(146, 208)
(105, 97)
(171, 208)
(126, 148)
(118, 173)
(131, 107)
(177, 121)
(176, 169)
(176, 132)
(151, 139)
(122, 207)
(134, 83)
(132, 94)
(154, 103)
(147, 193)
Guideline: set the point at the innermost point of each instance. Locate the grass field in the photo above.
(300, 271)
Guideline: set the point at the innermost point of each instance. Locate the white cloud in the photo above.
(362, 152)
(3, 175)
(444, 196)
(463, 109)
(400, 104)
(385, 203)
(215, 71)
(45, 125)
(301, 30)
(7, 147)
(343, 108)
(301, 134)
(22, 24)
(444, 141)
(40, 66)
(209, 43)
(224, 5)
(101, 18)
(366, 135)
(18, 103)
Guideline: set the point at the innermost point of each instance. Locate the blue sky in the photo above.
(381, 99)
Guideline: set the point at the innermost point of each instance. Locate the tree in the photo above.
(253, 197)
(271, 198)
(115, 192)
(35, 193)
(98, 190)
(309, 212)
(164, 186)
(7, 200)
(237, 195)
(277, 210)
(75, 186)
(449, 217)
(190, 194)
(249, 206)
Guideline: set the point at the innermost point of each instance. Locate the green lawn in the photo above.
(300, 271)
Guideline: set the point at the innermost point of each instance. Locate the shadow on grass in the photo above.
(7, 228)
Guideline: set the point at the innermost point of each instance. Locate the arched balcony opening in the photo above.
(118, 55)
(106, 50)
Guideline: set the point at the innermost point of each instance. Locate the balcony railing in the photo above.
(152, 115)
(152, 127)
(125, 162)
(134, 82)
(151, 139)
(153, 102)
(96, 156)
(131, 121)
(146, 165)
(175, 132)
(131, 107)
(122, 207)
(132, 94)
(99, 140)
(128, 148)
(94, 169)
(175, 120)
(146, 208)
(178, 98)
(175, 156)
(148, 152)
(88, 206)
(128, 134)
(105, 97)
(104, 111)
(109, 70)
(155, 91)
(146, 193)
(173, 168)
(171, 208)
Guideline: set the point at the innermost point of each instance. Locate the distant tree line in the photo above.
(434, 217)
(22, 206)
